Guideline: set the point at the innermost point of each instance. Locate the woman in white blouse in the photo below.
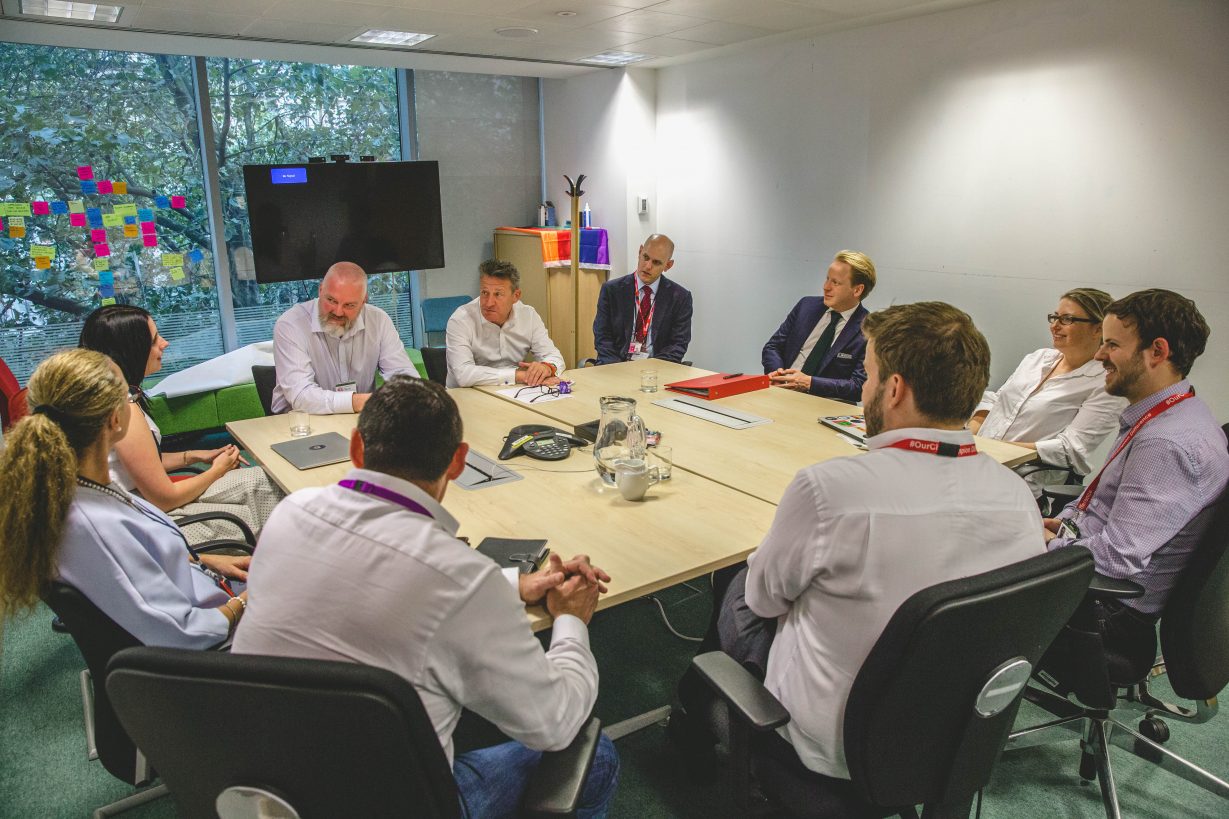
(64, 519)
(1055, 402)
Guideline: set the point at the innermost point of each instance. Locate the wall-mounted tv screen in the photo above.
(383, 216)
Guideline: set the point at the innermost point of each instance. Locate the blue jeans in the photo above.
(491, 781)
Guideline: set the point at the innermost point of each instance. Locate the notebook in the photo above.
(510, 553)
(314, 450)
(852, 425)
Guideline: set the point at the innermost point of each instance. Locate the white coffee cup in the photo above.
(634, 476)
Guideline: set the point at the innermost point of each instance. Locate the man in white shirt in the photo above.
(497, 339)
(327, 350)
(370, 571)
(854, 537)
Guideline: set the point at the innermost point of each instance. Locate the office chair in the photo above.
(929, 710)
(436, 312)
(265, 379)
(435, 359)
(1054, 496)
(314, 737)
(13, 407)
(1194, 629)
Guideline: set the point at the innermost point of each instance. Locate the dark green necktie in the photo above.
(811, 365)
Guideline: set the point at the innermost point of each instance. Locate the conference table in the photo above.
(712, 513)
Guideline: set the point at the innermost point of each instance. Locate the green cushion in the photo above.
(186, 413)
(238, 402)
(416, 357)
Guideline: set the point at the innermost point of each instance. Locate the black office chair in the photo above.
(316, 737)
(265, 379)
(1194, 628)
(435, 359)
(931, 706)
(1054, 496)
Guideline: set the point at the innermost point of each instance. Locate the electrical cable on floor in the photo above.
(666, 620)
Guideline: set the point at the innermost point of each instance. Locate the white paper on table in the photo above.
(533, 395)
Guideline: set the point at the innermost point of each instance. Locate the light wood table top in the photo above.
(688, 526)
(760, 461)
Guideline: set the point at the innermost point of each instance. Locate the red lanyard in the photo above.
(935, 447)
(648, 321)
(1171, 401)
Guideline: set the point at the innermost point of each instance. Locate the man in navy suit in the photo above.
(644, 314)
(819, 348)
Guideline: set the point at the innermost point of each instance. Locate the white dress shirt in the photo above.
(853, 538)
(1067, 417)
(311, 364)
(818, 330)
(480, 352)
(342, 575)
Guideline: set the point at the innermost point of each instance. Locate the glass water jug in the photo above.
(620, 435)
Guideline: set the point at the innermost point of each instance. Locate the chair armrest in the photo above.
(1103, 587)
(211, 546)
(1041, 466)
(195, 469)
(746, 695)
(1062, 492)
(187, 520)
(557, 784)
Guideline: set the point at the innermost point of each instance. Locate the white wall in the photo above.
(991, 156)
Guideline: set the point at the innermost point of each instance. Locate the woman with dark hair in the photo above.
(130, 337)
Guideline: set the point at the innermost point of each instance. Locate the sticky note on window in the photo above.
(16, 231)
(148, 228)
(89, 188)
(172, 260)
(177, 273)
(85, 172)
(179, 202)
(104, 186)
(42, 262)
(102, 264)
(43, 250)
(76, 219)
(94, 216)
(106, 280)
(102, 249)
(76, 206)
(128, 210)
(119, 187)
(108, 302)
(131, 231)
(98, 235)
(18, 209)
(195, 256)
(59, 207)
(144, 214)
(130, 220)
(112, 220)
(150, 240)
(40, 208)
(163, 202)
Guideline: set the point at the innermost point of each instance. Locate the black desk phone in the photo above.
(541, 442)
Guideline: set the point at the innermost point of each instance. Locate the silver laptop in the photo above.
(314, 450)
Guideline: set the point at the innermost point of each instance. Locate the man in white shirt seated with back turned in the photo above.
(327, 350)
(498, 339)
(370, 570)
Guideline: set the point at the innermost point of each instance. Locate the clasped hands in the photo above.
(566, 587)
(791, 379)
(536, 374)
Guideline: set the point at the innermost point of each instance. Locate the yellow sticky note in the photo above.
(42, 262)
(102, 263)
(18, 209)
(19, 221)
(112, 220)
(131, 231)
(42, 250)
(124, 210)
(177, 273)
(108, 302)
(76, 206)
(119, 187)
(172, 260)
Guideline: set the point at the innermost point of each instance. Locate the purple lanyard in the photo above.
(386, 494)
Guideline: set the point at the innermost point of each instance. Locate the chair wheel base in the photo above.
(1088, 768)
(1155, 729)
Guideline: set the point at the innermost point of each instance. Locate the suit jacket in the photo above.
(616, 310)
(841, 373)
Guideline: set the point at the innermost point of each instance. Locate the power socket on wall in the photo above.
(642, 204)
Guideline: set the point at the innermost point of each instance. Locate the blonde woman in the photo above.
(63, 519)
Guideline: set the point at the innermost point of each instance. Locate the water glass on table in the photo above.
(300, 424)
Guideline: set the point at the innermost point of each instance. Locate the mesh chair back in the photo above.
(1195, 620)
(98, 638)
(330, 738)
(265, 378)
(435, 359)
(911, 733)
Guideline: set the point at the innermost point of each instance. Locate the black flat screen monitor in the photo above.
(383, 216)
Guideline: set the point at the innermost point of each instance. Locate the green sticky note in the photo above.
(124, 210)
(177, 273)
(112, 220)
(172, 260)
(102, 263)
(108, 302)
(42, 250)
(18, 209)
(76, 206)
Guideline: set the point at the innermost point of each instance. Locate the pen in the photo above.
(731, 375)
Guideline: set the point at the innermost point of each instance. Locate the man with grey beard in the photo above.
(327, 350)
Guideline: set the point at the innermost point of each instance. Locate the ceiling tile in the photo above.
(267, 29)
(648, 23)
(668, 47)
(244, 7)
(783, 17)
(717, 33)
(545, 11)
(327, 11)
(183, 21)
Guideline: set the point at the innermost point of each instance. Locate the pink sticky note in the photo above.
(40, 208)
(179, 202)
(101, 249)
(76, 219)
(104, 186)
(85, 172)
(148, 228)
(150, 240)
(98, 235)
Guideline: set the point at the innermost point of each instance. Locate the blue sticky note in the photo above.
(147, 214)
(106, 291)
(195, 256)
(89, 186)
(163, 202)
(59, 207)
(94, 216)
(130, 220)
(106, 278)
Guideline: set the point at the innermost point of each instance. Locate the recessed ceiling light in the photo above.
(394, 38)
(73, 11)
(516, 31)
(616, 58)
(565, 14)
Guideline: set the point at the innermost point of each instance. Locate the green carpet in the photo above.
(44, 771)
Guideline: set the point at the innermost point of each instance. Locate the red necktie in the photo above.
(642, 317)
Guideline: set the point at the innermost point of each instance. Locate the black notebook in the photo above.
(512, 553)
